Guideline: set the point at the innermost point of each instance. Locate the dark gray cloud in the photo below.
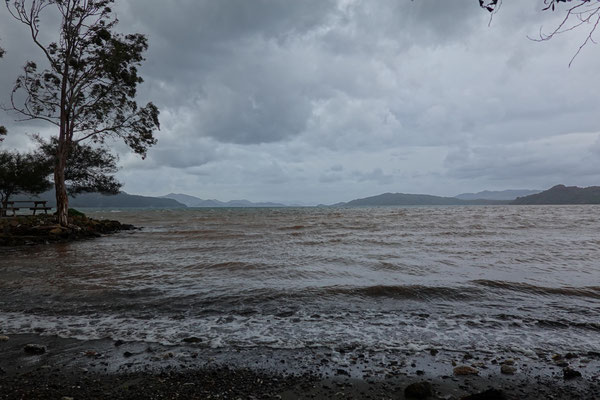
(327, 100)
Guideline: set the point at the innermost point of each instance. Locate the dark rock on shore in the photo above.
(39, 229)
(492, 394)
(465, 370)
(569, 373)
(508, 369)
(419, 390)
(34, 349)
(192, 339)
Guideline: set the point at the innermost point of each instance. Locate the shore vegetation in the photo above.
(88, 86)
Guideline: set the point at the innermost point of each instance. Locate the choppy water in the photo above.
(523, 279)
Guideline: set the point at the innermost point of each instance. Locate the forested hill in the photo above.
(97, 200)
(510, 194)
(403, 199)
(562, 194)
(192, 201)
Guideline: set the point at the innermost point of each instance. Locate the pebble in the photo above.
(569, 373)
(563, 364)
(418, 390)
(36, 349)
(192, 339)
(465, 370)
(507, 369)
(491, 394)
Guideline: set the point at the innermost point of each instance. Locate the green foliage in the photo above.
(22, 173)
(89, 85)
(74, 213)
(89, 169)
(100, 70)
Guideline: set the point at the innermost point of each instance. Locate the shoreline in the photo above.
(107, 369)
(26, 230)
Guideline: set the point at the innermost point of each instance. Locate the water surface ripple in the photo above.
(491, 278)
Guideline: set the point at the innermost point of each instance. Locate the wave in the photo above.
(588, 291)
(291, 228)
(418, 292)
(564, 324)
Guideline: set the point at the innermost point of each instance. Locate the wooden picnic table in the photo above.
(38, 205)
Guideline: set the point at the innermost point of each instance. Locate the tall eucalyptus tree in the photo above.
(87, 88)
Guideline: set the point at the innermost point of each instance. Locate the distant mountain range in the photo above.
(561, 194)
(497, 195)
(97, 200)
(192, 201)
(403, 199)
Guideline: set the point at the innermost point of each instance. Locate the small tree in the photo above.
(23, 173)
(89, 169)
(88, 89)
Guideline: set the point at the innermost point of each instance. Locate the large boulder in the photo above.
(418, 390)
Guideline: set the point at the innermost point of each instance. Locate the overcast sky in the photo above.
(320, 101)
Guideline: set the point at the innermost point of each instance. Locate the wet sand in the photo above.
(105, 369)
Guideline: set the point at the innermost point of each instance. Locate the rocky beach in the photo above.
(45, 367)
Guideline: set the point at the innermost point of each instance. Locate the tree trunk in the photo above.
(62, 200)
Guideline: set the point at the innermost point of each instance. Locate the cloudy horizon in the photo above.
(322, 101)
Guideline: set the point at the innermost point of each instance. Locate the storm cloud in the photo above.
(320, 101)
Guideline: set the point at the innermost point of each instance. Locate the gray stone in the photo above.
(465, 370)
(418, 390)
(491, 394)
(192, 339)
(35, 349)
(508, 369)
(569, 373)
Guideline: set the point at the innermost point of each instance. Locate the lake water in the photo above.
(498, 278)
